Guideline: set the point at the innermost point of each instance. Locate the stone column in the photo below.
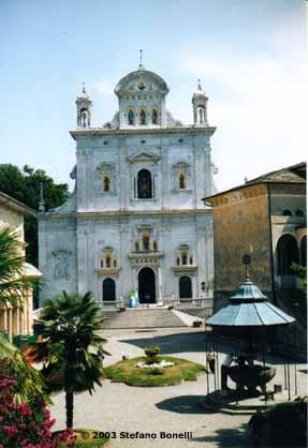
(10, 324)
(159, 284)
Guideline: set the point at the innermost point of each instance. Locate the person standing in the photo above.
(225, 368)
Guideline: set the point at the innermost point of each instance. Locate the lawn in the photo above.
(127, 372)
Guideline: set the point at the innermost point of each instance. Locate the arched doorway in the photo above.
(287, 253)
(144, 183)
(185, 288)
(109, 290)
(146, 283)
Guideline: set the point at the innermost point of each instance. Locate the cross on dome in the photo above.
(141, 67)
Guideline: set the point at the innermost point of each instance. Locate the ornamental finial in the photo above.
(84, 88)
(41, 206)
(246, 261)
(141, 59)
(199, 84)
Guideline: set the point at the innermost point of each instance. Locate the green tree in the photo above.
(69, 326)
(24, 185)
(12, 288)
(301, 272)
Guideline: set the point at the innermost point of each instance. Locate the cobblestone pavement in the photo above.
(160, 411)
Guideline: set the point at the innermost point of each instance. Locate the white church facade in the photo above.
(135, 220)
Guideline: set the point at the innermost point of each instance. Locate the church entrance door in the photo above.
(185, 288)
(109, 291)
(146, 280)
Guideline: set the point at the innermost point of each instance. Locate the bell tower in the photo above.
(199, 101)
(84, 105)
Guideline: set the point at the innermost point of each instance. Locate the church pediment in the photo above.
(145, 156)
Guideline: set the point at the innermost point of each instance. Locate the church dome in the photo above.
(199, 94)
(141, 81)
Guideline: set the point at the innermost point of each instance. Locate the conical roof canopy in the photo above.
(249, 307)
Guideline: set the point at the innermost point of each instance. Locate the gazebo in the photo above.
(250, 312)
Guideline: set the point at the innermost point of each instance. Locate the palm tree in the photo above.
(12, 264)
(73, 363)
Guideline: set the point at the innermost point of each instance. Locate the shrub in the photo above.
(25, 424)
(151, 354)
(197, 323)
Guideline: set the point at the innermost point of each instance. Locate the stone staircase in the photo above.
(143, 318)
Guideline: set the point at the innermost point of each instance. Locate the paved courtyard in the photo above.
(176, 409)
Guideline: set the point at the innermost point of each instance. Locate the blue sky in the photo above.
(250, 54)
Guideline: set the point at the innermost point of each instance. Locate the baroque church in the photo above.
(135, 221)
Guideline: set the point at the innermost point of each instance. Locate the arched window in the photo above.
(287, 212)
(84, 115)
(144, 183)
(154, 116)
(184, 255)
(108, 258)
(287, 253)
(131, 117)
(109, 290)
(155, 246)
(201, 114)
(106, 183)
(304, 251)
(136, 246)
(142, 117)
(185, 288)
(182, 181)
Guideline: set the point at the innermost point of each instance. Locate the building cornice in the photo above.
(193, 129)
(126, 214)
(6, 200)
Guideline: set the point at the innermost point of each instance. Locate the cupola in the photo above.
(199, 101)
(84, 105)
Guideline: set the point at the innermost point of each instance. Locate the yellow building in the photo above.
(266, 219)
(17, 321)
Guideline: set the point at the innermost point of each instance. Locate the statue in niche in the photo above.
(61, 267)
(154, 116)
(131, 117)
(182, 185)
(142, 116)
(106, 183)
(146, 242)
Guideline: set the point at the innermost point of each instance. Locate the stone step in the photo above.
(146, 318)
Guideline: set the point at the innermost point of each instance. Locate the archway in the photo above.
(287, 253)
(146, 283)
(144, 184)
(109, 290)
(185, 288)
